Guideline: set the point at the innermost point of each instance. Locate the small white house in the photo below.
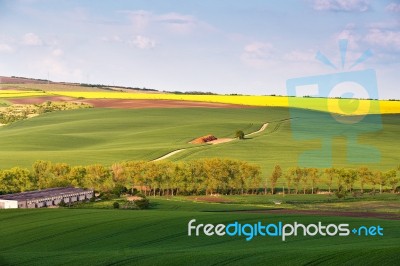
(8, 204)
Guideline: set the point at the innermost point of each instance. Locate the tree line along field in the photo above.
(159, 236)
(89, 136)
(200, 177)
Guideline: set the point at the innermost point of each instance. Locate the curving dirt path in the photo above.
(168, 155)
(258, 131)
(214, 142)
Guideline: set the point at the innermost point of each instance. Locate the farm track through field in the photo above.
(168, 155)
(263, 127)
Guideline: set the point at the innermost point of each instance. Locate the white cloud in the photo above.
(172, 22)
(257, 54)
(143, 42)
(58, 69)
(341, 5)
(383, 38)
(6, 48)
(140, 19)
(300, 56)
(31, 39)
(114, 38)
(57, 52)
(350, 34)
(55, 67)
(77, 14)
(388, 24)
(178, 23)
(393, 7)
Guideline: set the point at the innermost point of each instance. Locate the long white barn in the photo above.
(44, 198)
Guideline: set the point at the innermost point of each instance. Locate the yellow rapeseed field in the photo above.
(341, 106)
(19, 93)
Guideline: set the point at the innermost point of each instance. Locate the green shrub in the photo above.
(140, 195)
(116, 205)
(118, 190)
(240, 134)
(341, 193)
(142, 204)
(62, 204)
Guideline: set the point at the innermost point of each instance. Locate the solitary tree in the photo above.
(240, 134)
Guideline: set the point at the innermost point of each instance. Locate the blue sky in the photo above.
(248, 47)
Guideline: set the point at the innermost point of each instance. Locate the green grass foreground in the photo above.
(159, 237)
(83, 137)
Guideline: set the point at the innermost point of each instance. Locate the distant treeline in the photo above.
(192, 92)
(42, 80)
(108, 87)
(199, 177)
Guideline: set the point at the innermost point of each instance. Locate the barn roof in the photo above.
(44, 193)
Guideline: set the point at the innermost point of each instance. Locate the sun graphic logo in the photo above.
(348, 112)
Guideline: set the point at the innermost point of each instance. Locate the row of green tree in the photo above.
(205, 176)
(308, 179)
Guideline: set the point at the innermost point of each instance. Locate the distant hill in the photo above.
(21, 80)
(24, 83)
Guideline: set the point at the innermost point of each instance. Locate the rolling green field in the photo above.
(111, 135)
(96, 236)
(82, 137)
(159, 236)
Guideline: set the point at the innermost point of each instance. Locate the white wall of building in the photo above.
(9, 204)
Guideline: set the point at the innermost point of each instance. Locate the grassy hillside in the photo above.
(284, 141)
(51, 87)
(111, 135)
(159, 236)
